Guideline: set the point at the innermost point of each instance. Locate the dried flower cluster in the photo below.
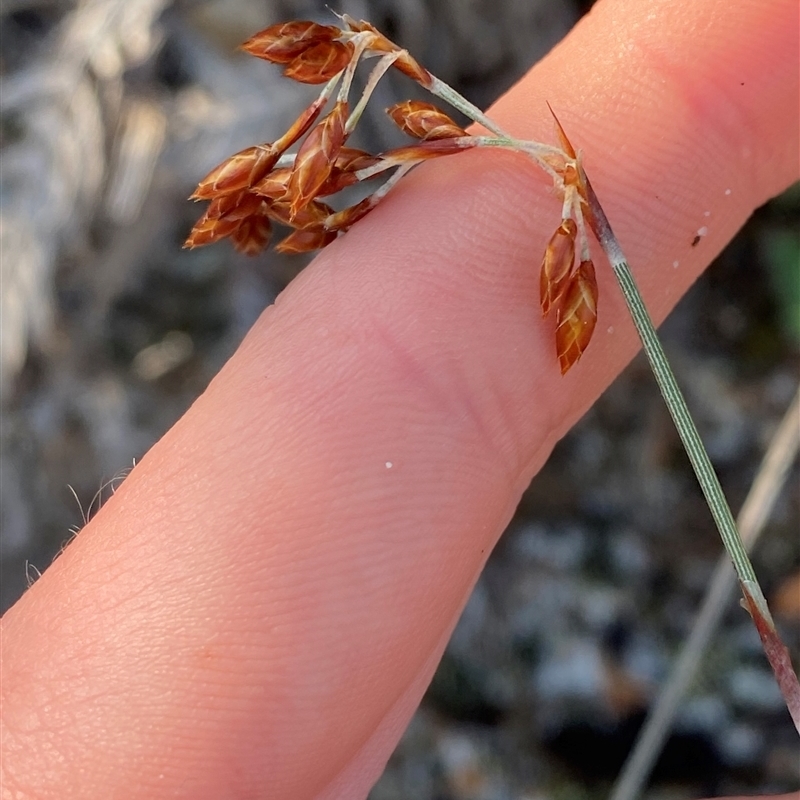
(264, 184)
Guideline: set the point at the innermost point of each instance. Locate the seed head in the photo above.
(577, 316)
(283, 42)
(320, 62)
(316, 158)
(240, 171)
(252, 235)
(559, 258)
(305, 241)
(424, 121)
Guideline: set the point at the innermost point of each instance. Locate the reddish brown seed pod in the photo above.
(223, 217)
(252, 235)
(559, 258)
(413, 69)
(351, 159)
(348, 162)
(273, 185)
(344, 219)
(300, 126)
(305, 241)
(424, 151)
(577, 316)
(285, 41)
(311, 216)
(424, 121)
(320, 62)
(316, 157)
(235, 205)
(240, 171)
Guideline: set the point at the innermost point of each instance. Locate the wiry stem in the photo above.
(754, 514)
(776, 652)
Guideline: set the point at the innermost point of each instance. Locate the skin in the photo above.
(259, 608)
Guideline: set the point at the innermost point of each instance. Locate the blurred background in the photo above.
(111, 110)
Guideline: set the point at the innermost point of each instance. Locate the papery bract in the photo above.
(305, 241)
(576, 316)
(559, 258)
(252, 235)
(282, 42)
(223, 216)
(240, 171)
(320, 62)
(424, 121)
(316, 157)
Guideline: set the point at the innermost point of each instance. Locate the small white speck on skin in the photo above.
(706, 213)
(702, 231)
(727, 191)
(389, 465)
(611, 329)
(676, 264)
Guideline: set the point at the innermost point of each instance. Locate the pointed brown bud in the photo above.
(557, 264)
(224, 217)
(305, 241)
(351, 159)
(413, 69)
(316, 157)
(300, 126)
(344, 219)
(240, 171)
(285, 41)
(273, 186)
(424, 121)
(234, 206)
(252, 235)
(312, 216)
(320, 62)
(424, 151)
(577, 316)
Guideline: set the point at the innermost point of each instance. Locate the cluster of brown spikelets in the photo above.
(264, 184)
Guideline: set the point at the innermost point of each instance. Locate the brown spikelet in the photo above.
(577, 316)
(311, 216)
(320, 62)
(252, 235)
(316, 157)
(223, 217)
(413, 69)
(240, 171)
(234, 206)
(351, 159)
(344, 219)
(207, 231)
(557, 264)
(424, 151)
(424, 121)
(285, 41)
(300, 126)
(304, 241)
(273, 186)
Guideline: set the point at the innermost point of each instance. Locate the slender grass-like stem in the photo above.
(755, 512)
(756, 604)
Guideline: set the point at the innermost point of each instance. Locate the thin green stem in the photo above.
(756, 603)
(673, 396)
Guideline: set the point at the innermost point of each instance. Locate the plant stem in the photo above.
(754, 514)
(709, 482)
